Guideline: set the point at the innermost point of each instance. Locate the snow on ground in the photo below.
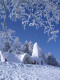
(19, 71)
(12, 58)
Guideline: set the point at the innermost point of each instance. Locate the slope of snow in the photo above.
(15, 71)
(12, 58)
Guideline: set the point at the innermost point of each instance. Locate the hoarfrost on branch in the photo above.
(38, 13)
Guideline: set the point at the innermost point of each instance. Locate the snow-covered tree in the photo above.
(27, 47)
(17, 46)
(24, 47)
(5, 45)
(39, 13)
(42, 55)
(30, 47)
(50, 60)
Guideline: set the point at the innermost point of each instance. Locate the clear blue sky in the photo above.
(34, 35)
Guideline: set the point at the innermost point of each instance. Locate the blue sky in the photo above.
(34, 35)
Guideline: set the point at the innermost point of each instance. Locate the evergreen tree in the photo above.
(24, 47)
(30, 48)
(27, 47)
(42, 55)
(5, 46)
(51, 60)
(17, 46)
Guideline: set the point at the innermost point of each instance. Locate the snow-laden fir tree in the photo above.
(38, 13)
(27, 47)
(24, 47)
(30, 48)
(50, 60)
(42, 55)
(4, 44)
(17, 46)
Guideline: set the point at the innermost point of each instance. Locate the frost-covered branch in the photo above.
(4, 24)
(38, 13)
(54, 36)
(4, 17)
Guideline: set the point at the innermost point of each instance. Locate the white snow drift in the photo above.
(14, 71)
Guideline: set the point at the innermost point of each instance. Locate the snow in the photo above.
(2, 59)
(15, 71)
(37, 60)
(35, 50)
(12, 58)
(36, 54)
(23, 57)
